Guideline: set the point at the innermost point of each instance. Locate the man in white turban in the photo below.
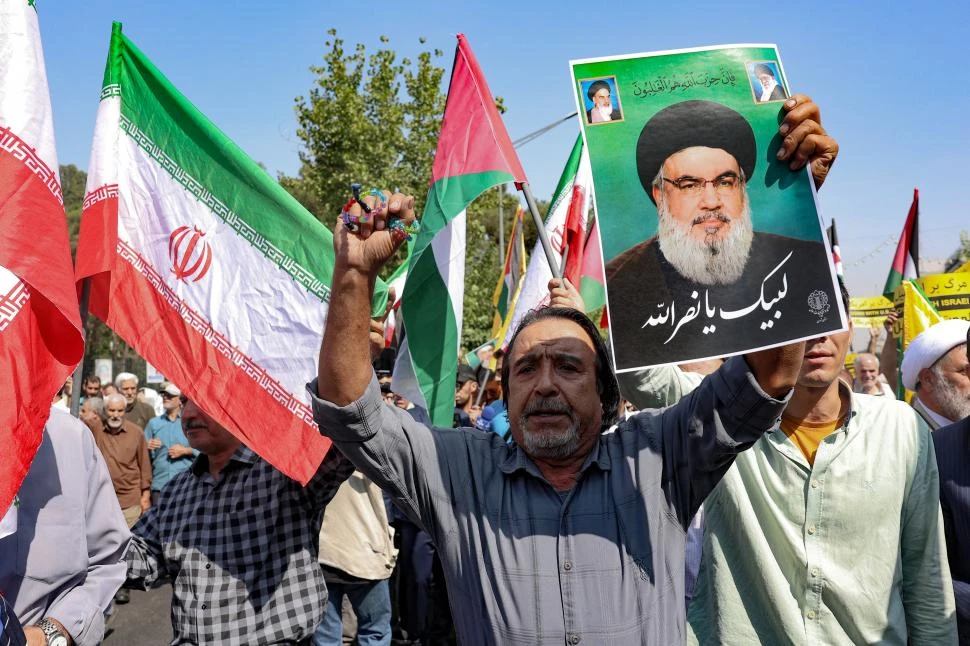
(935, 367)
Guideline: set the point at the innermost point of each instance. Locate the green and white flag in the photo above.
(204, 263)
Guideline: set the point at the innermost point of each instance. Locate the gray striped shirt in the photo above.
(604, 565)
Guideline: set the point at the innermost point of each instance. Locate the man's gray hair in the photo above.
(96, 403)
(125, 376)
(115, 397)
(864, 355)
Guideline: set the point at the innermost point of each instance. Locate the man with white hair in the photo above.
(935, 367)
(137, 412)
(952, 448)
(694, 160)
(867, 380)
(126, 453)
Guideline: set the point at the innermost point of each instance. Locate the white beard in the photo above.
(955, 405)
(115, 424)
(601, 114)
(767, 90)
(711, 261)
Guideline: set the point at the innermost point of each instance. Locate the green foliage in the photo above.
(368, 119)
(481, 274)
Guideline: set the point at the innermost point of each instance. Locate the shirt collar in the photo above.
(516, 459)
(243, 456)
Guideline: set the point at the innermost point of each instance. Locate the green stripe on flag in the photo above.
(218, 173)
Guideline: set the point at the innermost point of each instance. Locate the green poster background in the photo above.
(782, 201)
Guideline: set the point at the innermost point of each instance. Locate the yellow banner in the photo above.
(949, 293)
(869, 311)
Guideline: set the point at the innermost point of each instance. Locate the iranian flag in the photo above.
(510, 282)
(567, 212)
(40, 327)
(906, 261)
(203, 263)
(474, 154)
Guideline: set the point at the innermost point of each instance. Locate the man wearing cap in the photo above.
(168, 447)
(935, 368)
(602, 110)
(952, 450)
(694, 160)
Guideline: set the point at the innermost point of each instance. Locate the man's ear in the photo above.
(926, 377)
(655, 191)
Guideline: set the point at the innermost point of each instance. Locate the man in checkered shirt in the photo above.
(239, 540)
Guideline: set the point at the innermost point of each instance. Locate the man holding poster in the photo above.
(734, 258)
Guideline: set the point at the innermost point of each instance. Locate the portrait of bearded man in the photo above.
(707, 261)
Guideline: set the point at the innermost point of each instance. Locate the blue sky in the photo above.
(891, 79)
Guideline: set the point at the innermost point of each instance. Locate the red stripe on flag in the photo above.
(99, 233)
(575, 236)
(472, 132)
(144, 318)
(42, 343)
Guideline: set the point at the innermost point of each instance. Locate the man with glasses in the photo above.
(694, 160)
(168, 447)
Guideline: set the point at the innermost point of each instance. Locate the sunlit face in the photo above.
(114, 412)
(87, 412)
(949, 379)
(554, 397)
(130, 390)
(766, 79)
(866, 370)
(170, 402)
(710, 213)
(601, 98)
(824, 359)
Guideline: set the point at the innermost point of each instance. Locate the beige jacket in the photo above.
(355, 536)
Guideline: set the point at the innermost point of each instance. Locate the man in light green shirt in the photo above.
(847, 549)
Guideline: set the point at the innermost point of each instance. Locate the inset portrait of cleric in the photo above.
(765, 83)
(601, 100)
(708, 284)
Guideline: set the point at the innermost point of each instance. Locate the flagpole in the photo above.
(501, 227)
(76, 383)
(540, 227)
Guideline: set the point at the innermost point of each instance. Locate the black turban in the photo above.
(693, 123)
(761, 68)
(596, 87)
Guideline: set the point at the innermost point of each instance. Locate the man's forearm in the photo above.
(345, 369)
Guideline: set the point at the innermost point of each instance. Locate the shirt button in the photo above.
(810, 614)
(204, 607)
(811, 529)
(208, 565)
(574, 639)
(567, 566)
(814, 571)
(814, 484)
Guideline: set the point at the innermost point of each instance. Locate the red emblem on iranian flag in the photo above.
(190, 253)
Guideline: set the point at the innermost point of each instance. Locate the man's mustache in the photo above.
(547, 405)
(713, 215)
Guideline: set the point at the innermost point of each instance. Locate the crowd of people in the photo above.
(766, 498)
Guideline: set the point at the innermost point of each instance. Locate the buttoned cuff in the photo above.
(735, 383)
(358, 421)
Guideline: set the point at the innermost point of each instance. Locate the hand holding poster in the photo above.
(713, 246)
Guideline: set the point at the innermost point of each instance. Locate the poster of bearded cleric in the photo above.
(711, 246)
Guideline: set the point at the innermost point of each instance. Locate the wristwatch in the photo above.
(55, 637)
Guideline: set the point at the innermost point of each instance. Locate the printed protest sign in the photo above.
(712, 246)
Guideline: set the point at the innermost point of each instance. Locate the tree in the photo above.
(368, 119)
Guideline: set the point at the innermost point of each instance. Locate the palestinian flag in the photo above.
(906, 260)
(510, 282)
(592, 283)
(474, 154)
(203, 263)
(40, 327)
(572, 196)
(836, 252)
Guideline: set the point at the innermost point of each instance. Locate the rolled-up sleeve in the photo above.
(704, 432)
(81, 608)
(400, 455)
